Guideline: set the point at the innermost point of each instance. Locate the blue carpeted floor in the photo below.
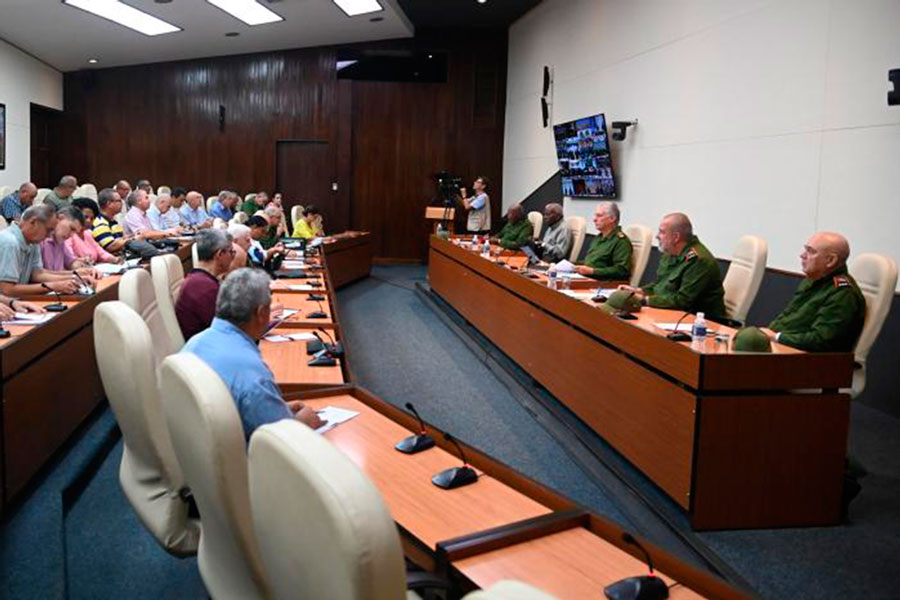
(93, 547)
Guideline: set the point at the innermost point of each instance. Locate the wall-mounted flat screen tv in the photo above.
(582, 149)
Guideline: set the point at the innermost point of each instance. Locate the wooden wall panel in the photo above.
(161, 122)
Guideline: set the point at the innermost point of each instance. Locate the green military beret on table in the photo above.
(751, 339)
(622, 301)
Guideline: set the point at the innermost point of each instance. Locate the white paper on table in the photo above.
(277, 338)
(29, 318)
(133, 262)
(293, 264)
(579, 294)
(301, 288)
(288, 312)
(301, 337)
(606, 292)
(316, 242)
(334, 416)
(572, 276)
(109, 269)
(564, 266)
(685, 327)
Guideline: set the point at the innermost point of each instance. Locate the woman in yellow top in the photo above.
(310, 225)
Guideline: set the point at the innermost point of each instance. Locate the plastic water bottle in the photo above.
(486, 247)
(698, 331)
(551, 279)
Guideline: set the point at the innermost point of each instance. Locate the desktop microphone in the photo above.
(85, 287)
(317, 314)
(643, 587)
(327, 355)
(336, 348)
(59, 306)
(417, 442)
(679, 336)
(455, 477)
(316, 297)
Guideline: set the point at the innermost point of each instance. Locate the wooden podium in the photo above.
(440, 214)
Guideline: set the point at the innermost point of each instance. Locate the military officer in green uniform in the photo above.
(517, 230)
(609, 256)
(688, 277)
(61, 195)
(827, 311)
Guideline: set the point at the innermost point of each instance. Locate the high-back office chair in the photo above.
(5, 191)
(240, 217)
(509, 590)
(87, 190)
(641, 238)
(41, 194)
(163, 189)
(578, 227)
(150, 475)
(195, 258)
(136, 290)
(168, 275)
(296, 215)
(324, 530)
(877, 279)
(3, 223)
(210, 201)
(249, 197)
(744, 276)
(537, 221)
(209, 442)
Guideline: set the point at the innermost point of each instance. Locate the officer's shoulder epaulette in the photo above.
(621, 234)
(841, 281)
(691, 254)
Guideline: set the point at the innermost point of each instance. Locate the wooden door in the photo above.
(46, 146)
(306, 175)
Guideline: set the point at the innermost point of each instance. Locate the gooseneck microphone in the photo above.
(679, 336)
(416, 442)
(643, 587)
(455, 477)
(59, 306)
(86, 287)
(317, 314)
(329, 352)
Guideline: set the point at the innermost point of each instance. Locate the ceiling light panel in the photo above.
(250, 12)
(125, 15)
(358, 7)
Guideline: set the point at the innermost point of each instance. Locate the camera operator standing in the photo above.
(478, 205)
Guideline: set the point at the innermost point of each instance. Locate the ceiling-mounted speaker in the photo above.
(545, 112)
(547, 81)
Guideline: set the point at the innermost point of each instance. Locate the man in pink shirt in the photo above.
(136, 221)
(54, 253)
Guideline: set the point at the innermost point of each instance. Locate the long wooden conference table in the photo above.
(736, 439)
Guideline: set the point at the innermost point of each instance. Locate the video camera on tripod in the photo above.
(447, 189)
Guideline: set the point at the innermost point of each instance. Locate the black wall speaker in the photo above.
(545, 112)
(893, 97)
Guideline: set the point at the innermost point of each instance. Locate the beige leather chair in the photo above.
(641, 238)
(5, 191)
(150, 475)
(3, 223)
(510, 590)
(240, 217)
(744, 276)
(296, 215)
(195, 258)
(87, 190)
(249, 197)
(578, 227)
(877, 279)
(324, 530)
(537, 221)
(136, 290)
(41, 194)
(210, 201)
(209, 442)
(219, 223)
(163, 189)
(168, 275)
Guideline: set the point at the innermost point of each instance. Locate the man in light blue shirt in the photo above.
(12, 206)
(162, 216)
(223, 208)
(229, 348)
(192, 212)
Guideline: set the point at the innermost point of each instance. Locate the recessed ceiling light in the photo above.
(125, 15)
(358, 7)
(482, 1)
(93, 61)
(250, 12)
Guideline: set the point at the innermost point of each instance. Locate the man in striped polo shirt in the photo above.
(106, 230)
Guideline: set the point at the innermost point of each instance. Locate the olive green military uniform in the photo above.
(825, 315)
(271, 238)
(514, 235)
(610, 256)
(690, 281)
(56, 201)
(250, 207)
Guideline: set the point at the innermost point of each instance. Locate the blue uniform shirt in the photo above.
(218, 210)
(234, 356)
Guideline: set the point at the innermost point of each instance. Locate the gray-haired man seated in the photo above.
(229, 348)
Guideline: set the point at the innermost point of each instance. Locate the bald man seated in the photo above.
(688, 277)
(827, 311)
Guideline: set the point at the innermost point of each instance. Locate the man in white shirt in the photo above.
(479, 206)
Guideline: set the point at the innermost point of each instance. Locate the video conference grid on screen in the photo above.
(582, 148)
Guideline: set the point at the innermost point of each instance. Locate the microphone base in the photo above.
(315, 284)
(58, 307)
(4, 333)
(337, 350)
(314, 347)
(644, 587)
(679, 336)
(316, 297)
(455, 477)
(415, 443)
(317, 314)
(322, 360)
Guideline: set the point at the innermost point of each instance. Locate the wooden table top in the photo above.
(429, 513)
(288, 362)
(302, 303)
(17, 331)
(574, 564)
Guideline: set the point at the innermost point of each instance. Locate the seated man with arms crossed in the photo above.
(517, 231)
(196, 303)
(609, 256)
(827, 311)
(688, 277)
(192, 212)
(229, 347)
(557, 239)
(22, 271)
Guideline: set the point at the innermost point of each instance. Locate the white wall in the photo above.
(23, 80)
(764, 117)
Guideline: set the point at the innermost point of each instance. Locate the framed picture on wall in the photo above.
(2, 136)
